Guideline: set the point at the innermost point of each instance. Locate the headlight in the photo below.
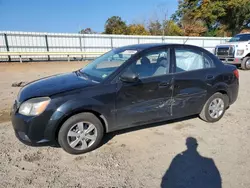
(240, 52)
(34, 107)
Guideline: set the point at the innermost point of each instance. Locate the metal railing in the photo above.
(33, 54)
(19, 46)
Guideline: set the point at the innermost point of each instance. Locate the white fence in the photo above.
(64, 42)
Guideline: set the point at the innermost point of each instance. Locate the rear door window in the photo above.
(190, 60)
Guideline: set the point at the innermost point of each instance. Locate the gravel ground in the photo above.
(134, 157)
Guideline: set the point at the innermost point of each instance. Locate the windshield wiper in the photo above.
(82, 74)
(85, 76)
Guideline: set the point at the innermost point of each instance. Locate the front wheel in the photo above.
(214, 108)
(245, 65)
(81, 133)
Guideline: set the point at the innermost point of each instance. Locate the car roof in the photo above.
(243, 34)
(143, 46)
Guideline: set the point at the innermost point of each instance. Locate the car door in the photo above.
(148, 99)
(193, 71)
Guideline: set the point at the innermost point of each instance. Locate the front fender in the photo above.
(71, 107)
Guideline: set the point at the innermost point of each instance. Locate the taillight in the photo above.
(236, 73)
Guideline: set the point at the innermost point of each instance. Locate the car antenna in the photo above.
(186, 40)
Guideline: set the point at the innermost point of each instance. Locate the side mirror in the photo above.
(129, 76)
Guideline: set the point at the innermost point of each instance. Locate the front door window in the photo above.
(151, 64)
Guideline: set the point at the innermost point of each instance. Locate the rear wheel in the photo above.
(214, 108)
(245, 65)
(81, 133)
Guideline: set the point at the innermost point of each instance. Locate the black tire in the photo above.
(204, 115)
(67, 125)
(244, 63)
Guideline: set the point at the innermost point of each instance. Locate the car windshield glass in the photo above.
(103, 66)
(238, 38)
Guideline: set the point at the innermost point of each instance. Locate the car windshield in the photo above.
(103, 66)
(241, 37)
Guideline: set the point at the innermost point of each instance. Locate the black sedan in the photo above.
(126, 87)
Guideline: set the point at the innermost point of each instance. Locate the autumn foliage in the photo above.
(192, 18)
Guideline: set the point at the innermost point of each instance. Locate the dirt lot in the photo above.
(132, 158)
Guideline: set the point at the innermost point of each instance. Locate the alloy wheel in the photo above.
(248, 64)
(216, 108)
(82, 135)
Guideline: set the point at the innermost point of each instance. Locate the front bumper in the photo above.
(23, 137)
(23, 127)
(230, 60)
(37, 130)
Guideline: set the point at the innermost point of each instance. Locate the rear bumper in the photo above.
(230, 60)
(234, 93)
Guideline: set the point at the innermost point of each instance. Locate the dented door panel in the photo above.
(190, 92)
(145, 101)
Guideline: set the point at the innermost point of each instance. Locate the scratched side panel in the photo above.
(144, 112)
(190, 91)
(143, 102)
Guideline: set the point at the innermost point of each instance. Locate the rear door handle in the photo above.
(164, 84)
(209, 77)
(183, 95)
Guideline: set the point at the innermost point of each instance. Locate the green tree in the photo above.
(185, 7)
(172, 29)
(87, 31)
(115, 25)
(210, 12)
(137, 29)
(218, 16)
(237, 15)
(155, 28)
(193, 27)
(199, 13)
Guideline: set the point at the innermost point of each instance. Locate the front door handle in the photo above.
(209, 77)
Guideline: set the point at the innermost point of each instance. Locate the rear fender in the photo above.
(222, 88)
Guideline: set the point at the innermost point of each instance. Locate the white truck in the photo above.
(236, 51)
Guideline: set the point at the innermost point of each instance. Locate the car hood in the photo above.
(233, 43)
(53, 85)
